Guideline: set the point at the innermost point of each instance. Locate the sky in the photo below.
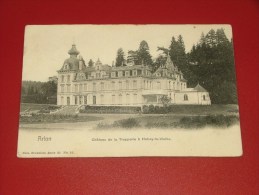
(46, 46)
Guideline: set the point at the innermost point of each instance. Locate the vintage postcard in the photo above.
(128, 90)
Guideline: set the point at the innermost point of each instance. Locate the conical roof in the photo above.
(169, 63)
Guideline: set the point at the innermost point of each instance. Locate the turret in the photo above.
(73, 52)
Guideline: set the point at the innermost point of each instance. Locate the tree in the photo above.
(212, 63)
(210, 38)
(160, 60)
(90, 63)
(165, 100)
(143, 55)
(120, 58)
(202, 39)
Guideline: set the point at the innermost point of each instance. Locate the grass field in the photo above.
(180, 116)
(33, 107)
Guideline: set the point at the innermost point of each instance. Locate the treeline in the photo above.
(210, 63)
(39, 92)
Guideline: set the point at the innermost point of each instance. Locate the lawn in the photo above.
(55, 118)
(34, 107)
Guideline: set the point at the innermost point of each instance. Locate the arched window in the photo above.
(185, 97)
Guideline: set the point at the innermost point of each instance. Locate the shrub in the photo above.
(127, 123)
(151, 108)
(145, 109)
(111, 109)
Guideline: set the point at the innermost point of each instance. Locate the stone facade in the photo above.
(101, 84)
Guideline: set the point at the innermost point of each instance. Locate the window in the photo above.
(120, 74)
(85, 100)
(158, 85)
(94, 86)
(80, 87)
(113, 85)
(113, 74)
(127, 73)
(62, 100)
(169, 84)
(94, 99)
(135, 98)
(80, 100)
(75, 100)
(127, 98)
(62, 88)
(62, 78)
(76, 89)
(120, 99)
(68, 78)
(85, 87)
(68, 88)
(185, 97)
(135, 84)
(204, 97)
(113, 99)
(102, 98)
(127, 84)
(120, 85)
(134, 72)
(68, 101)
(102, 86)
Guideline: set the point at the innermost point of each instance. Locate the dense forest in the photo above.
(209, 63)
(39, 92)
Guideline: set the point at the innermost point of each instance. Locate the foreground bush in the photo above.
(196, 122)
(125, 123)
(111, 109)
(56, 118)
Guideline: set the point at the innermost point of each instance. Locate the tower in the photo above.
(73, 52)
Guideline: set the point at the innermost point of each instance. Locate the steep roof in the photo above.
(72, 62)
(199, 88)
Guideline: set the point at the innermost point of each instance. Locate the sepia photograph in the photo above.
(128, 91)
